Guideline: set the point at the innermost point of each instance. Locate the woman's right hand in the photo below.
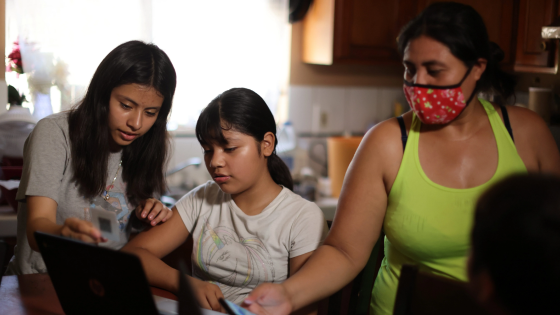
(269, 299)
(81, 230)
(207, 294)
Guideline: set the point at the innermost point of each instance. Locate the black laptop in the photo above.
(94, 280)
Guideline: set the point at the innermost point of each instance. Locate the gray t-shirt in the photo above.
(47, 171)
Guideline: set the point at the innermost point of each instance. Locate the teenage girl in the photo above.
(107, 153)
(248, 227)
(418, 177)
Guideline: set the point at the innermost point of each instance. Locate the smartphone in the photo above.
(234, 309)
(106, 222)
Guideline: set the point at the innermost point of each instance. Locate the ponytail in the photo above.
(495, 79)
(279, 172)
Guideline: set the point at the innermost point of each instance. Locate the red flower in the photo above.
(16, 54)
(15, 61)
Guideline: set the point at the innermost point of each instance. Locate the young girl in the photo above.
(107, 153)
(248, 227)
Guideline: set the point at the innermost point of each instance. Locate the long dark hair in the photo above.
(244, 111)
(462, 30)
(144, 159)
(516, 239)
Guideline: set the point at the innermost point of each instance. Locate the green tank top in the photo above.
(429, 225)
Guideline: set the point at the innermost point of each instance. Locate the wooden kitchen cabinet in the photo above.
(533, 54)
(365, 31)
(500, 18)
(355, 31)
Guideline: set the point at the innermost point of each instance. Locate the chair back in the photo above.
(421, 293)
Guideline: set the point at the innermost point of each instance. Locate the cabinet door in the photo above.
(365, 31)
(533, 53)
(499, 17)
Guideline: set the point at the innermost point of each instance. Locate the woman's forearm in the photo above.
(150, 246)
(41, 224)
(159, 274)
(41, 216)
(317, 280)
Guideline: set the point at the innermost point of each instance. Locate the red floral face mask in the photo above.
(436, 104)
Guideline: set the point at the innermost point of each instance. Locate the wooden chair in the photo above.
(421, 293)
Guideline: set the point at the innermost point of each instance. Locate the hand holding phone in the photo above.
(81, 230)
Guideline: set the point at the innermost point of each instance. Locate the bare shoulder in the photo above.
(382, 147)
(386, 136)
(533, 140)
(529, 129)
(526, 122)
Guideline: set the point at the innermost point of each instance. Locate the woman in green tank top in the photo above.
(422, 191)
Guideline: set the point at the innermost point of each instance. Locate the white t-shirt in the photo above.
(237, 251)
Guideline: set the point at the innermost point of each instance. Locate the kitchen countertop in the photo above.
(8, 218)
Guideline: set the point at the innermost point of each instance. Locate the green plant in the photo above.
(14, 98)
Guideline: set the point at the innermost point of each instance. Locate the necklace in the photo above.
(112, 183)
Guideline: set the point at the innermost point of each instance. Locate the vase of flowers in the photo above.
(14, 60)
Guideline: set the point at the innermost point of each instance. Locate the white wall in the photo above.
(3, 96)
(338, 109)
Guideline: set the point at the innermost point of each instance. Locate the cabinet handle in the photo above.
(544, 46)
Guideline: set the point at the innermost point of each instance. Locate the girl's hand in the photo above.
(153, 211)
(81, 230)
(269, 299)
(207, 294)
